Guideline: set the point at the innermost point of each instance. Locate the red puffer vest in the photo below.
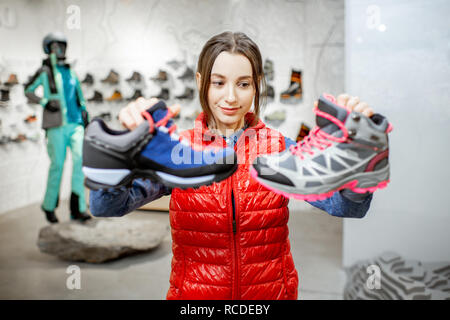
(226, 251)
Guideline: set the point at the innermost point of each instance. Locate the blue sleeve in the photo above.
(117, 203)
(345, 203)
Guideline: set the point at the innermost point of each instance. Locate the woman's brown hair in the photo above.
(236, 42)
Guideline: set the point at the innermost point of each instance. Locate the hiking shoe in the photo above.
(97, 97)
(294, 92)
(164, 94)
(187, 75)
(268, 69)
(112, 159)
(345, 150)
(12, 80)
(160, 77)
(276, 118)
(112, 78)
(88, 80)
(116, 96)
(137, 93)
(135, 77)
(188, 94)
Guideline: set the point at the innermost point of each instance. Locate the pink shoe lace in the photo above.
(162, 122)
(318, 138)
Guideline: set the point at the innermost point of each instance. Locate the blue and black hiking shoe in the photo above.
(113, 159)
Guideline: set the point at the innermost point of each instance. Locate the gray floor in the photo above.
(26, 273)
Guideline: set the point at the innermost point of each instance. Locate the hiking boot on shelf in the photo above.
(115, 97)
(112, 78)
(276, 118)
(30, 119)
(20, 138)
(12, 80)
(304, 131)
(164, 94)
(160, 77)
(187, 95)
(270, 93)
(136, 77)
(137, 94)
(268, 70)
(4, 95)
(175, 64)
(188, 75)
(97, 97)
(295, 92)
(346, 150)
(88, 80)
(112, 159)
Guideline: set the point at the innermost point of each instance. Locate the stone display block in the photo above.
(101, 240)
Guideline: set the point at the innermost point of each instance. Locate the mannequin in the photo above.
(64, 119)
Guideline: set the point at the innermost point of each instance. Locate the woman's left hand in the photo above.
(353, 103)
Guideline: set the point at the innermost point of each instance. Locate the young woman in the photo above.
(230, 239)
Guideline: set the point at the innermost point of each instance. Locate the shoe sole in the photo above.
(359, 183)
(96, 179)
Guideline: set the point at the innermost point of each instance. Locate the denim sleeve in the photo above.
(117, 203)
(345, 203)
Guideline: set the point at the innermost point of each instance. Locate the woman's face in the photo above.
(231, 90)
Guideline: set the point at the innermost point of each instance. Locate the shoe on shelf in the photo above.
(12, 80)
(187, 95)
(30, 118)
(136, 77)
(164, 94)
(295, 92)
(276, 118)
(175, 64)
(269, 93)
(303, 132)
(97, 97)
(345, 150)
(188, 74)
(88, 79)
(268, 69)
(4, 95)
(137, 93)
(112, 159)
(160, 77)
(112, 78)
(115, 97)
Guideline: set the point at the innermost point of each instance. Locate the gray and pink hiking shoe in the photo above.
(346, 150)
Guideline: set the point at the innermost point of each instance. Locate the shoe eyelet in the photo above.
(351, 132)
(356, 117)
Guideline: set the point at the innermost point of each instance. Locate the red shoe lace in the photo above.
(161, 122)
(318, 138)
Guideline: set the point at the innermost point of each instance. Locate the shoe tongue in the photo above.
(159, 111)
(327, 104)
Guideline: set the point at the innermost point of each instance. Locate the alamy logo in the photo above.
(374, 280)
(74, 280)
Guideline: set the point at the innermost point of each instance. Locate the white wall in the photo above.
(130, 35)
(404, 72)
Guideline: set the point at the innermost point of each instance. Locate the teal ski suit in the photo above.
(64, 116)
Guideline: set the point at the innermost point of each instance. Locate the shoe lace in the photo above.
(319, 138)
(161, 123)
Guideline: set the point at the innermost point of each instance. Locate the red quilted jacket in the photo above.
(221, 251)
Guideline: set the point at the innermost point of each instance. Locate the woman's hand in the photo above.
(353, 103)
(131, 116)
